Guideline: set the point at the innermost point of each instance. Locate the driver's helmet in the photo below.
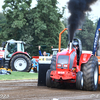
(75, 44)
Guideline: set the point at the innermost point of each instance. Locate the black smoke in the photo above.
(77, 8)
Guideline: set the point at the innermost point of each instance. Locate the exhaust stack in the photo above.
(77, 9)
(70, 46)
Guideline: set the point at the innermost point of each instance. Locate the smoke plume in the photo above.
(77, 8)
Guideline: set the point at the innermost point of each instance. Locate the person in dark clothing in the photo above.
(40, 53)
(76, 46)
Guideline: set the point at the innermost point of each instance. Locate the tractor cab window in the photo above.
(11, 48)
(21, 47)
(62, 59)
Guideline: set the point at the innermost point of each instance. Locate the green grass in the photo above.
(19, 76)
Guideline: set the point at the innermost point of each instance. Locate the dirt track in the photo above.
(28, 90)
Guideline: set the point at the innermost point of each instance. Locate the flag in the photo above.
(96, 39)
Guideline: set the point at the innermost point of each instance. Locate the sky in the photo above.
(94, 14)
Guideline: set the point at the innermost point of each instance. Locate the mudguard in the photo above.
(19, 52)
(84, 58)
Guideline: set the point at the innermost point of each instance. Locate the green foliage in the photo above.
(44, 21)
(14, 11)
(40, 25)
(36, 26)
(47, 24)
(87, 36)
(2, 23)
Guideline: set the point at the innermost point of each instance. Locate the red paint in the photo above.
(69, 74)
(84, 58)
(36, 58)
(2, 53)
(64, 75)
(19, 52)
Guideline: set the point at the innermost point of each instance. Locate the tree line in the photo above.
(40, 25)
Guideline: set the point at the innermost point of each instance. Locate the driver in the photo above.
(76, 46)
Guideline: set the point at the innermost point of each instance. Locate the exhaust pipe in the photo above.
(70, 46)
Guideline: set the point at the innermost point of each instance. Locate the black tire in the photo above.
(48, 78)
(90, 74)
(23, 60)
(79, 80)
(53, 63)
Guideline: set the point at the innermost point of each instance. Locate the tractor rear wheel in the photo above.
(90, 74)
(53, 63)
(20, 62)
(48, 78)
(79, 80)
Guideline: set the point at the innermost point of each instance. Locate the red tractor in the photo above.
(73, 66)
(14, 57)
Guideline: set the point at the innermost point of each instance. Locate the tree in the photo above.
(37, 26)
(2, 21)
(14, 11)
(87, 36)
(47, 24)
(44, 26)
(18, 20)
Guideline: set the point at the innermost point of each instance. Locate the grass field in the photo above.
(19, 76)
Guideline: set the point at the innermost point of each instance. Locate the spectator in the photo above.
(40, 53)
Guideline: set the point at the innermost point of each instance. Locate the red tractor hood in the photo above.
(66, 52)
(66, 60)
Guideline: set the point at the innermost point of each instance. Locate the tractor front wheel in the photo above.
(90, 74)
(48, 78)
(79, 80)
(20, 62)
(53, 63)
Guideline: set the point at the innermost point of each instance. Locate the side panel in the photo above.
(44, 65)
(84, 58)
(42, 74)
(72, 57)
